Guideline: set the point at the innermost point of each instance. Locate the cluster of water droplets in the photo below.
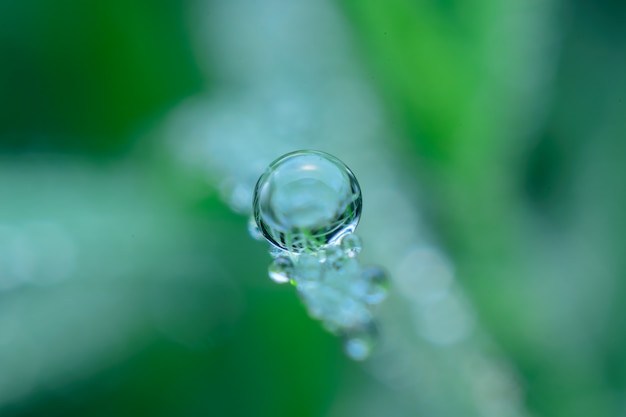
(310, 229)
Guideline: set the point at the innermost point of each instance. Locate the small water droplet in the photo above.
(275, 252)
(333, 256)
(307, 269)
(376, 284)
(305, 200)
(237, 195)
(351, 312)
(253, 229)
(315, 308)
(331, 326)
(323, 301)
(351, 245)
(347, 272)
(281, 270)
(359, 342)
(307, 290)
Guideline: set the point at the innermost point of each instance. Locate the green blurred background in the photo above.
(128, 287)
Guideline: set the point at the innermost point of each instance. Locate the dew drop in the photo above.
(333, 256)
(376, 284)
(306, 200)
(331, 326)
(351, 245)
(351, 312)
(281, 270)
(307, 269)
(253, 229)
(275, 252)
(359, 342)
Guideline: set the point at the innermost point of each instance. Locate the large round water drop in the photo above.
(306, 200)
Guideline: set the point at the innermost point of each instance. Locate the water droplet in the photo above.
(345, 273)
(359, 342)
(281, 270)
(307, 269)
(331, 326)
(351, 312)
(237, 195)
(351, 245)
(322, 302)
(253, 229)
(376, 284)
(305, 200)
(333, 256)
(275, 252)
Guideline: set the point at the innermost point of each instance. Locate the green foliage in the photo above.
(512, 115)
